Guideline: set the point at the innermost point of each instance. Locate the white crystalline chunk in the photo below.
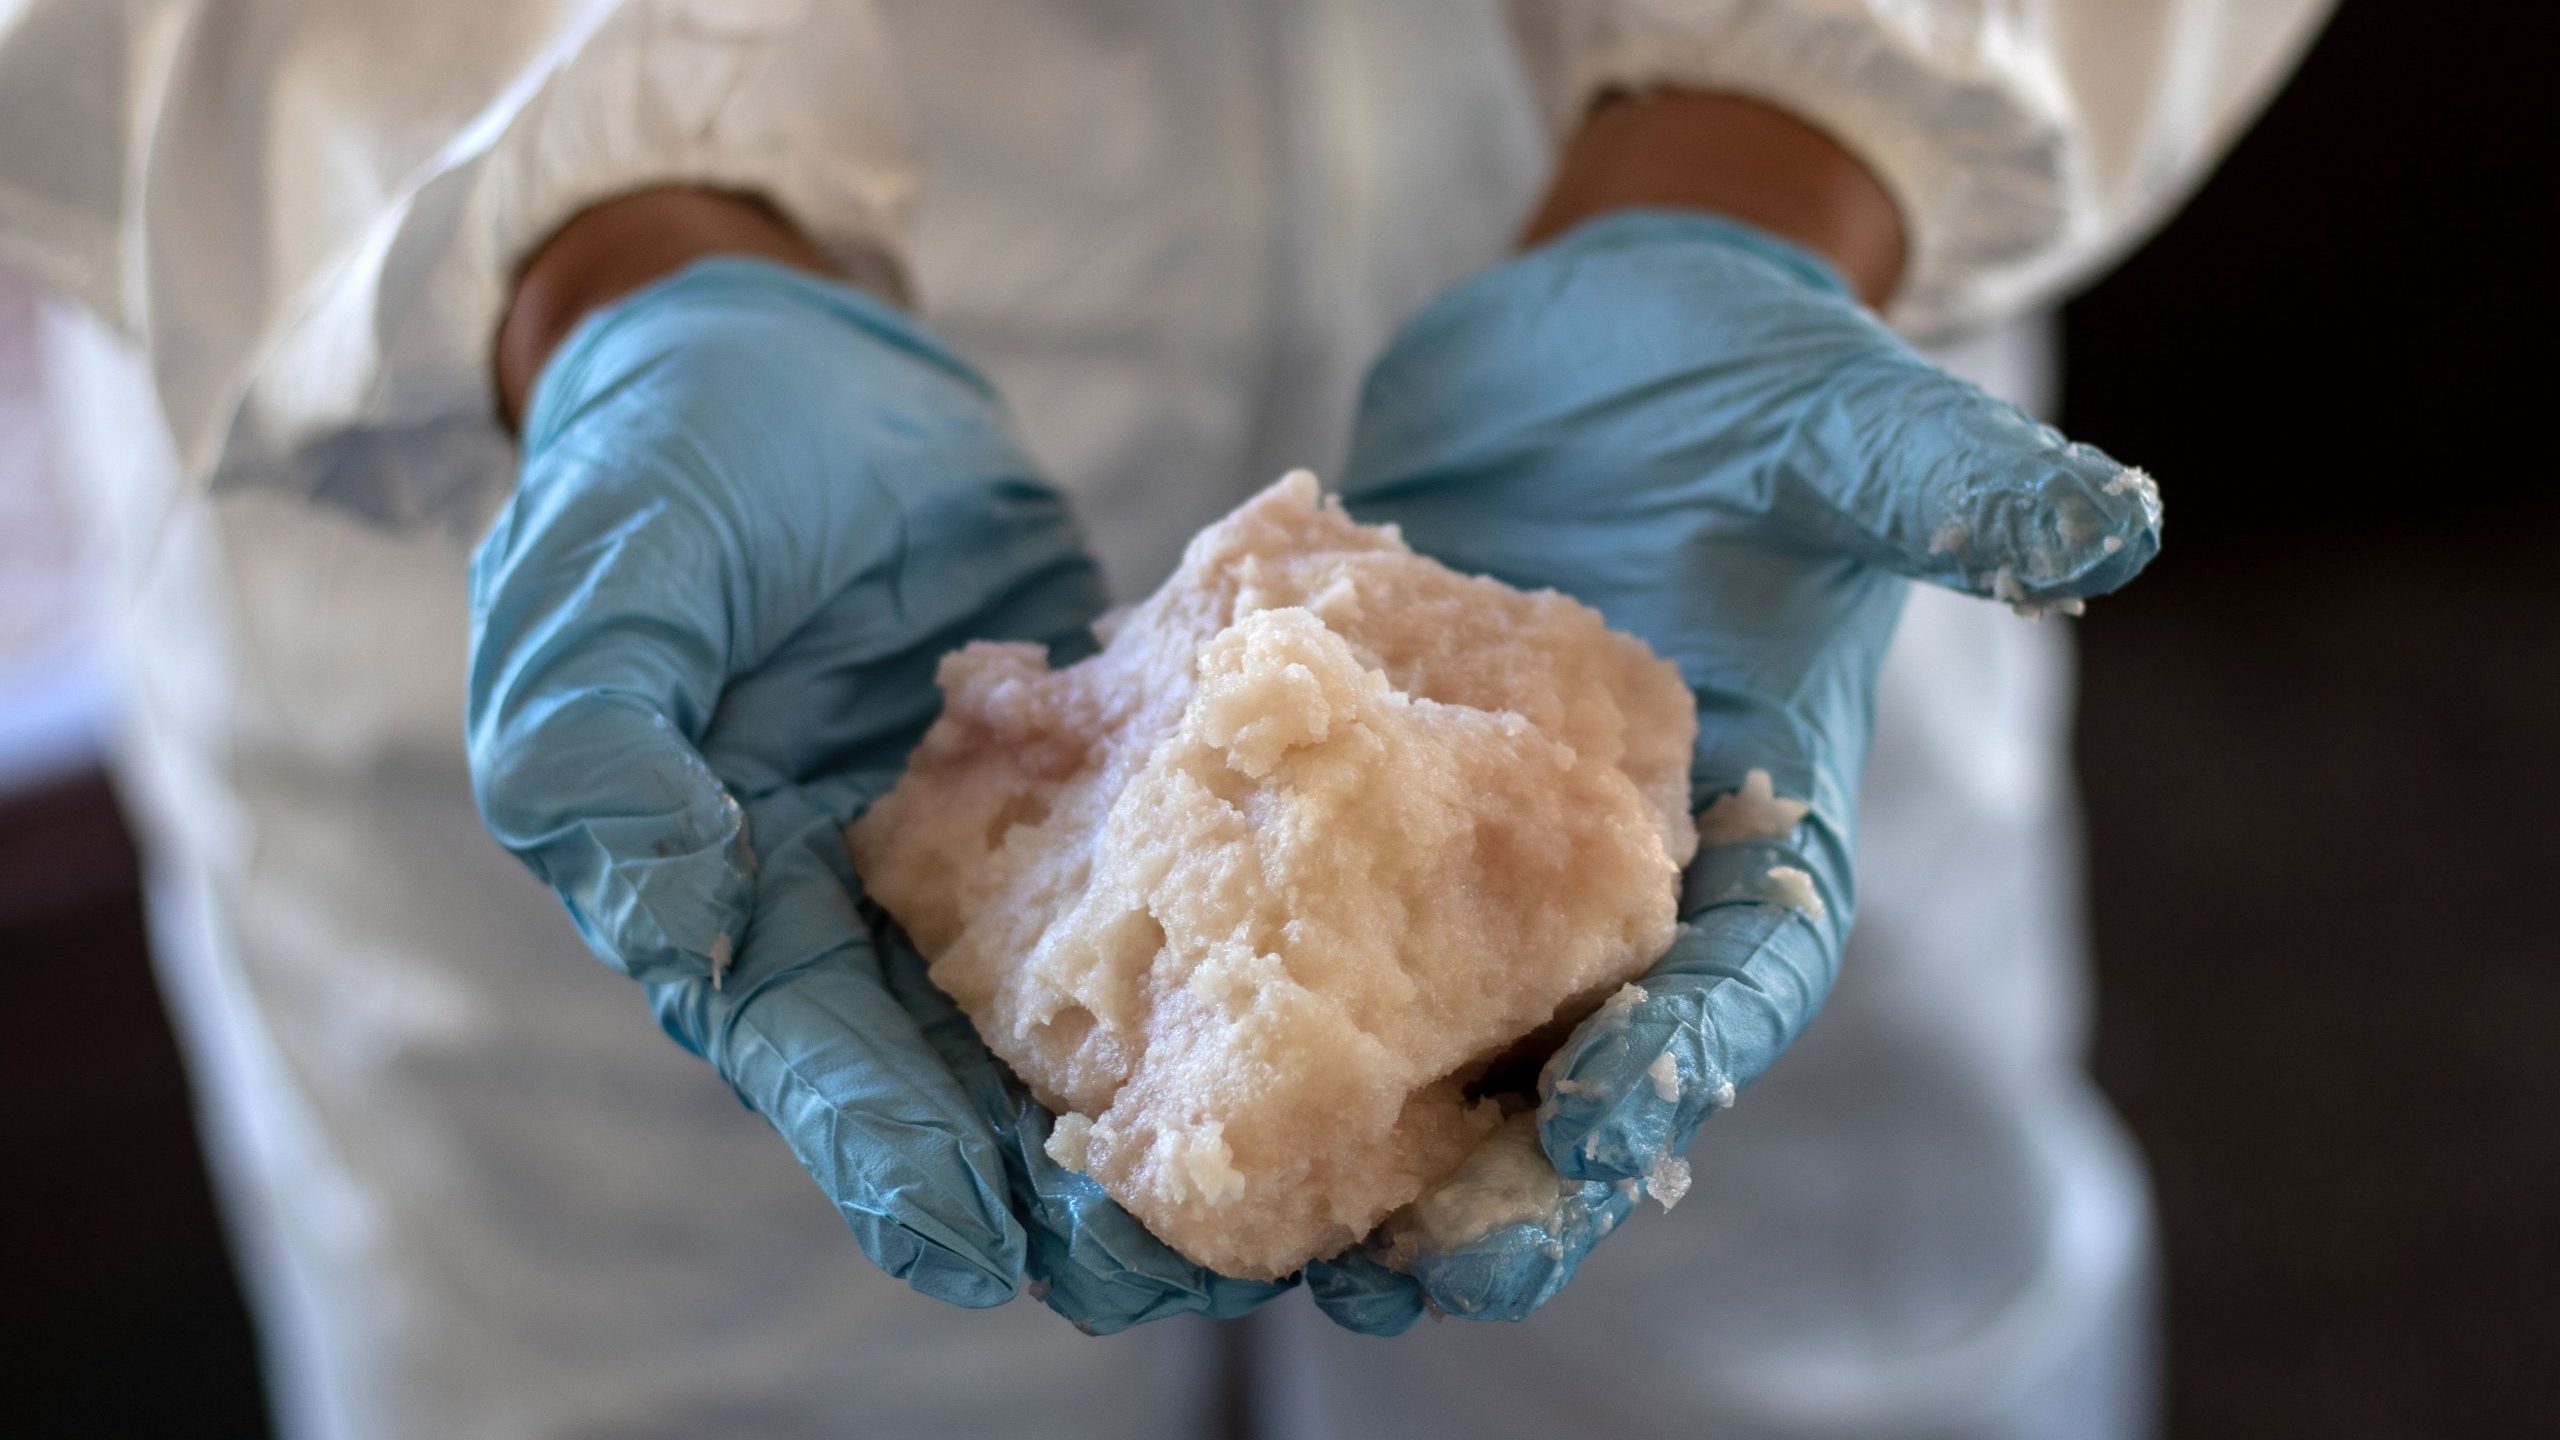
(1756, 811)
(1619, 1005)
(1793, 887)
(1068, 1139)
(1258, 889)
(1668, 1180)
(1665, 1074)
(1201, 1165)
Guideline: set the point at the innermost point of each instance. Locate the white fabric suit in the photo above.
(476, 1192)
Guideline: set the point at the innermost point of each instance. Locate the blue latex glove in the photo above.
(1694, 426)
(755, 509)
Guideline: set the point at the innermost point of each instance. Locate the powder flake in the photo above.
(1754, 811)
(1793, 888)
(1668, 1180)
(1664, 1072)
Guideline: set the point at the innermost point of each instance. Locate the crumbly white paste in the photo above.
(1250, 896)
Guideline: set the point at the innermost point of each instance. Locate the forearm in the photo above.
(1688, 150)
(609, 250)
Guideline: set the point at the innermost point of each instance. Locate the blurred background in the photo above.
(2320, 743)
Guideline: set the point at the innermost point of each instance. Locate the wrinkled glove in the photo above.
(755, 509)
(1693, 426)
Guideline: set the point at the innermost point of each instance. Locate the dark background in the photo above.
(2320, 743)
(2321, 746)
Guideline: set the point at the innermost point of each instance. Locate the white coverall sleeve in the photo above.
(307, 212)
(2028, 142)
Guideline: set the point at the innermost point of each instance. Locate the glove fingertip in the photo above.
(1750, 968)
(973, 1282)
(676, 918)
(1104, 1272)
(1627, 1140)
(1506, 1283)
(1509, 1273)
(1364, 1297)
(960, 1245)
(2068, 524)
(613, 808)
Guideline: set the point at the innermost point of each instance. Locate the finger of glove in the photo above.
(1766, 906)
(1916, 471)
(1097, 1265)
(1363, 1296)
(1089, 1259)
(1101, 1269)
(598, 649)
(1504, 1274)
(1629, 1088)
(1509, 1272)
(1686, 372)
(807, 1032)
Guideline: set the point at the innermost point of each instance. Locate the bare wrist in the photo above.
(613, 248)
(1753, 162)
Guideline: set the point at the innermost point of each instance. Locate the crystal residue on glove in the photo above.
(1506, 1180)
(1253, 894)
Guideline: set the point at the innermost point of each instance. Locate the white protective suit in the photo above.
(477, 1194)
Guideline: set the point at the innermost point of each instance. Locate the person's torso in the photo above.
(1172, 231)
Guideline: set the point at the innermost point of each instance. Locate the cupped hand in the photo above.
(1693, 426)
(755, 509)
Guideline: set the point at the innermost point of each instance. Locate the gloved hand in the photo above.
(1692, 425)
(755, 509)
